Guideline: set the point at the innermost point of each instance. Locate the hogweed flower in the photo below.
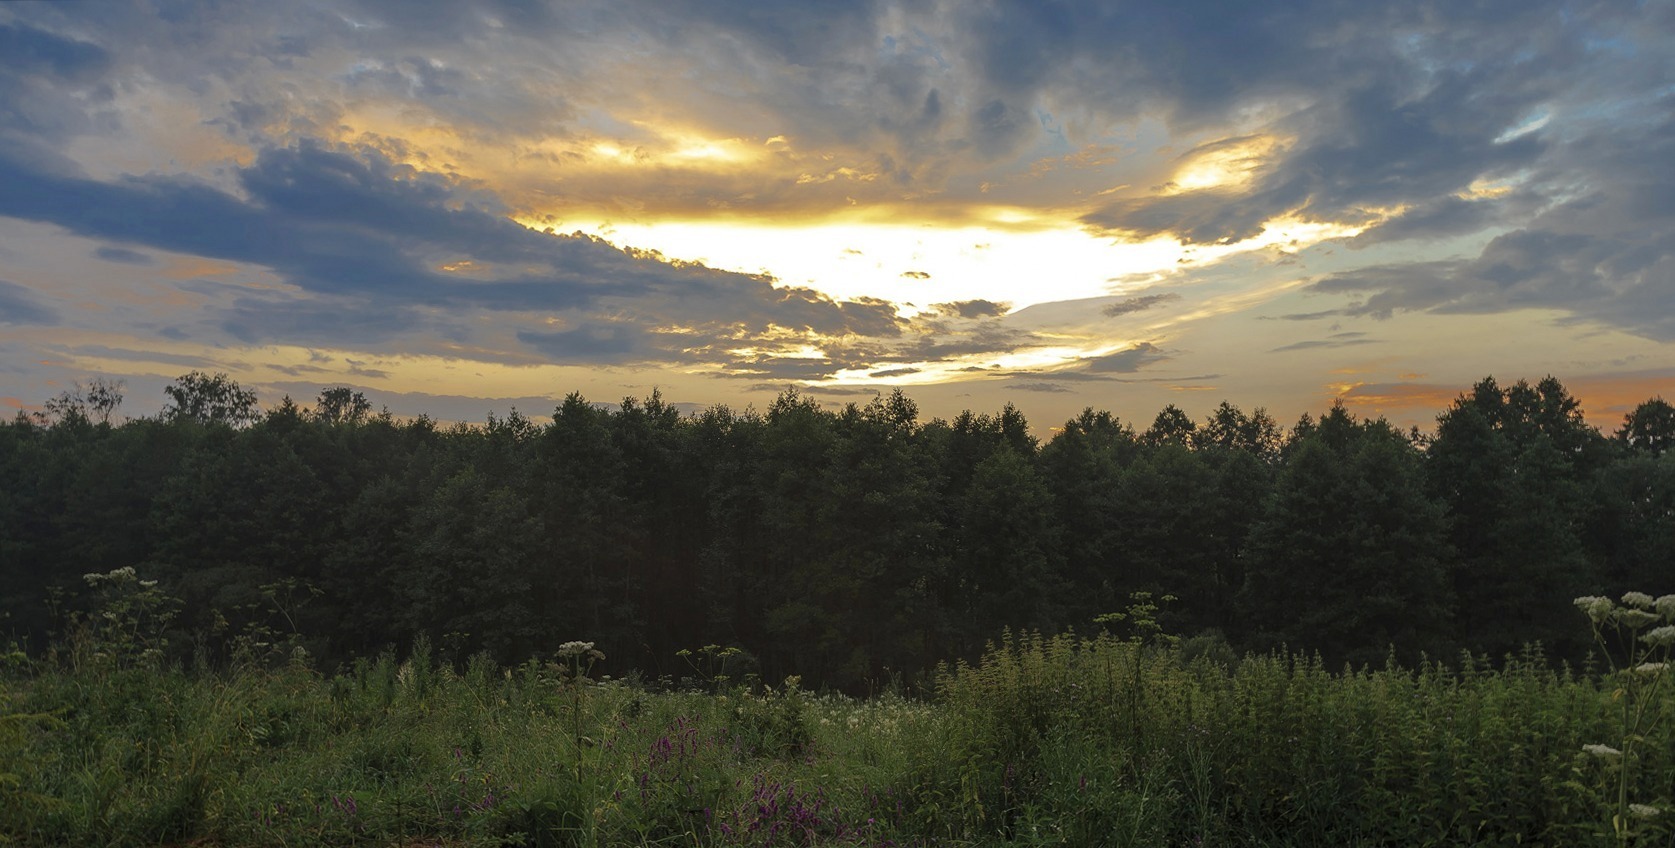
(1650, 667)
(1665, 605)
(1660, 637)
(1635, 619)
(1638, 599)
(1644, 811)
(1596, 607)
(582, 650)
(1604, 752)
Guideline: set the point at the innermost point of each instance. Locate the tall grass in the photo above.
(1062, 740)
(1069, 739)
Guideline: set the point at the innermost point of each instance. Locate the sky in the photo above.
(458, 208)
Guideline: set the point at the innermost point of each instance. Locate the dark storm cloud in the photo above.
(19, 305)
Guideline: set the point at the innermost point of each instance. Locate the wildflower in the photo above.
(1596, 607)
(1644, 811)
(1602, 751)
(1650, 667)
(1638, 599)
(1660, 637)
(1666, 607)
(1634, 619)
(574, 649)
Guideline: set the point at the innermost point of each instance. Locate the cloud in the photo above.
(1302, 316)
(130, 355)
(1197, 378)
(974, 308)
(1139, 304)
(1424, 398)
(122, 255)
(52, 88)
(819, 389)
(368, 241)
(19, 305)
(1332, 341)
(25, 51)
(1605, 254)
(596, 343)
(1130, 360)
(372, 146)
(1043, 387)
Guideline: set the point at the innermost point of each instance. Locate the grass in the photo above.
(1047, 740)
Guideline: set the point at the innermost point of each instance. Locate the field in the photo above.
(1048, 740)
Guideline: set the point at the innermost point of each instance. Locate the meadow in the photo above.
(1115, 740)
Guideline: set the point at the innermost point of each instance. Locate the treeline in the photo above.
(847, 545)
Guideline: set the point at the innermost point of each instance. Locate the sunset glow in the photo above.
(496, 209)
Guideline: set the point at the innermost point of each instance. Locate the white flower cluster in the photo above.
(1596, 607)
(1660, 637)
(1638, 610)
(1644, 811)
(882, 716)
(580, 649)
(1638, 599)
(125, 574)
(1605, 752)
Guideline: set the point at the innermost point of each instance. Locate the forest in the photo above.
(856, 546)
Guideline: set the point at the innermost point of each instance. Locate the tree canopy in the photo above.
(844, 543)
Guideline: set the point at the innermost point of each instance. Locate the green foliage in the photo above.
(1107, 740)
(1349, 555)
(772, 722)
(1637, 640)
(1056, 738)
(128, 626)
(854, 545)
(210, 399)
